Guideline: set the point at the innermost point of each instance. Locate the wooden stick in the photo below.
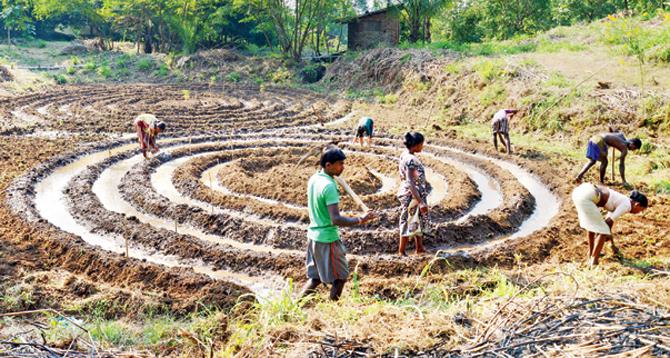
(352, 194)
(613, 154)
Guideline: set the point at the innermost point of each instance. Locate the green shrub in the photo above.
(489, 70)
(258, 80)
(112, 332)
(390, 98)
(647, 147)
(40, 44)
(123, 60)
(557, 80)
(70, 70)
(122, 72)
(662, 187)
(660, 53)
(105, 71)
(75, 60)
(90, 66)
(453, 68)
(493, 94)
(60, 79)
(233, 77)
(145, 63)
(281, 75)
(163, 70)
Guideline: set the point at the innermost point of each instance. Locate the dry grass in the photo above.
(448, 310)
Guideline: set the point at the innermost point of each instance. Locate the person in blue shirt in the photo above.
(364, 129)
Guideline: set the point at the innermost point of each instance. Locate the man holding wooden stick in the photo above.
(326, 254)
(596, 150)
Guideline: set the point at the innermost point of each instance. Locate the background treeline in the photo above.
(292, 26)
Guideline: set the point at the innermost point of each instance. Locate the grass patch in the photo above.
(104, 71)
(489, 70)
(492, 94)
(556, 79)
(113, 333)
(145, 63)
(163, 70)
(90, 66)
(233, 77)
(661, 187)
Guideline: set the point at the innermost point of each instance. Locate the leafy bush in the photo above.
(70, 70)
(662, 187)
(312, 72)
(145, 63)
(163, 70)
(233, 77)
(390, 98)
(90, 66)
(123, 60)
(489, 70)
(60, 79)
(453, 68)
(105, 71)
(122, 72)
(281, 75)
(493, 94)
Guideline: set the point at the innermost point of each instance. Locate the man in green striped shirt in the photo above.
(326, 254)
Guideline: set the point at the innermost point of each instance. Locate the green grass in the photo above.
(661, 186)
(104, 71)
(233, 77)
(90, 66)
(557, 80)
(495, 93)
(489, 70)
(163, 70)
(145, 63)
(113, 333)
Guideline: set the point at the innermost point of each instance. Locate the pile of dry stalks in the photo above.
(545, 326)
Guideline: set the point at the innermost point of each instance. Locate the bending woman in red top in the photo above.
(148, 128)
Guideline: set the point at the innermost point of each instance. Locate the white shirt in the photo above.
(617, 205)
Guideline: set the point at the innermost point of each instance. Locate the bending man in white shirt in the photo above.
(589, 198)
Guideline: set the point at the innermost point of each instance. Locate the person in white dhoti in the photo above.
(588, 199)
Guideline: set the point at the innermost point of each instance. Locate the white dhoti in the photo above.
(585, 198)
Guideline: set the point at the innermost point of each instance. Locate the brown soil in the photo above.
(259, 175)
(103, 108)
(57, 267)
(38, 246)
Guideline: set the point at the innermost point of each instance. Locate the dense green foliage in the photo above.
(477, 20)
(294, 26)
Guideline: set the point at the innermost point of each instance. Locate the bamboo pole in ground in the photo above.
(613, 158)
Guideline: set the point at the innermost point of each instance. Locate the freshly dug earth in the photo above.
(38, 246)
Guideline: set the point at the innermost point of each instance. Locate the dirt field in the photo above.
(222, 212)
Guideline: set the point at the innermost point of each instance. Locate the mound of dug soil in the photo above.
(209, 58)
(386, 67)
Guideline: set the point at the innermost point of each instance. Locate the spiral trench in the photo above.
(225, 196)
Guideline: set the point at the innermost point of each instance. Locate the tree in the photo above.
(16, 17)
(292, 22)
(90, 13)
(419, 14)
(361, 6)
